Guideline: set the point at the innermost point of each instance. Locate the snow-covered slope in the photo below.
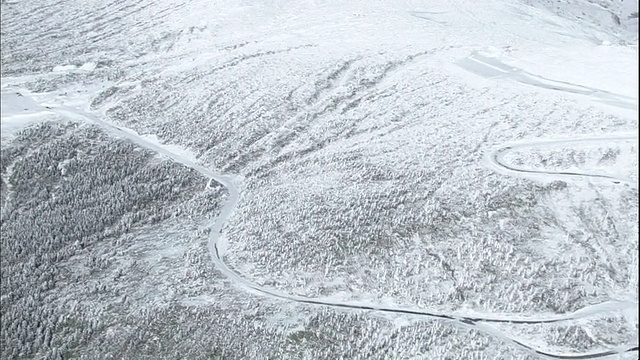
(619, 18)
(359, 138)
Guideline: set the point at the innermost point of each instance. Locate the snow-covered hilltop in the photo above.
(617, 17)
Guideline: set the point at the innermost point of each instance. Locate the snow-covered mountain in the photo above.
(280, 179)
(617, 17)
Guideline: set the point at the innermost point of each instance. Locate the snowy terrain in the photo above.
(319, 179)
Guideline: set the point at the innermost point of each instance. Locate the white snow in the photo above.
(86, 67)
(19, 111)
(89, 66)
(64, 68)
(496, 49)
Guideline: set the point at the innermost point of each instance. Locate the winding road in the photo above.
(483, 323)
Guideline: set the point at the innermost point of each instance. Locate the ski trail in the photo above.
(478, 322)
(490, 67)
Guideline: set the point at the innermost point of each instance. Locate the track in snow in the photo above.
(489, 67)
(481, 323)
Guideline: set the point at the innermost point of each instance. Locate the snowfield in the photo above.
(320, 180)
